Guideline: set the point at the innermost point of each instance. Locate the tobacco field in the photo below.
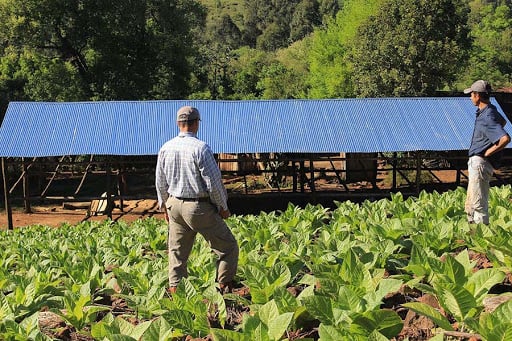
(392, 269)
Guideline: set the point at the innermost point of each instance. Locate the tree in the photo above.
(271, 25)
(218, 42)
(286, 75)
(105, 49)
(305, 18)
(410, 48)
(491, 32)
(330, 68)
(244, 73)
(328, 9)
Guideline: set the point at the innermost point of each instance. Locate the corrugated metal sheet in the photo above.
(36, 129)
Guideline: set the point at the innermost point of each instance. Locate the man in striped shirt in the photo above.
(192, 195)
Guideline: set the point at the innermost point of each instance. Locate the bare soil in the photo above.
(57, 215)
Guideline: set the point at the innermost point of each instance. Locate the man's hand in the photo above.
(224, 213)
(166, 215)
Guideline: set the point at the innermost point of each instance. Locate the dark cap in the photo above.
(188, 113)
(479, 86)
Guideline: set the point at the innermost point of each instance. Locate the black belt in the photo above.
(202, 199)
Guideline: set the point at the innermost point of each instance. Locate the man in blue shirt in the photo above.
(192, 195)
(489, 139)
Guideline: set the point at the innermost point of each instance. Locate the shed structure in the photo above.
(271, 131)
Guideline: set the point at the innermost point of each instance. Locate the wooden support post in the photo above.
(458, 173)
(418, 172)
(312, 171)
(302, 176)
(110, 204)
(8, 209)
(394, 162)
(26, 188)
(340, 180)
(294, 177)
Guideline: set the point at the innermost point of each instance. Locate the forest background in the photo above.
(100, 50)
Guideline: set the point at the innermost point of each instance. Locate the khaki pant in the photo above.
(480, 172)
(186, 219)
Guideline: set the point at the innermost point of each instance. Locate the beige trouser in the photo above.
(480, 172)
(186, 219)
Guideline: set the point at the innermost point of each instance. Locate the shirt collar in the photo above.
(186, 134)
(479, 111)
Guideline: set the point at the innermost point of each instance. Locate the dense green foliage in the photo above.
(410, 48)
(223, 49)
(332, 270)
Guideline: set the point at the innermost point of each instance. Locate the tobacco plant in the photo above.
(308, 272)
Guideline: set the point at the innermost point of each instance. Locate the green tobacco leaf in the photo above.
(180, 319)
(330, 333)
(285, 301)
(504, 311)
(483, 280)
(348, 299)
(490, 321)
(458, 301)
(386, 286)
(502, 332)
(464, 260)
(376, 336)
(268, 312)
(158, 330)
(430, 312)
(229, 335)
(134, 331)
(5, 309)
(353, 271)
(455, 271)
(418, 263)
(386, 322)
(263, 282)
(121, 338)
(320, 307)
(278, 326)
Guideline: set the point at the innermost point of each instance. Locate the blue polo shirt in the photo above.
(487, 131)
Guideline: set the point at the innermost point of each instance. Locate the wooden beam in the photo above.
(43, 194)
(22, 176)
(8, 209)
(86, 171)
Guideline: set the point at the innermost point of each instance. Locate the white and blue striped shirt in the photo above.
(186, 168)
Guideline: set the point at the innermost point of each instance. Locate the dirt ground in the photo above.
(56, 215)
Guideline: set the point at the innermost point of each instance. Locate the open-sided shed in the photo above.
(297, 129)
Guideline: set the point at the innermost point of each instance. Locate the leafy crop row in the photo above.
(310, 272)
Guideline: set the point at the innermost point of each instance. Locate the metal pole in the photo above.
(8, 209)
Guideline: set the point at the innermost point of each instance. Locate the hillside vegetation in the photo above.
(250, 49)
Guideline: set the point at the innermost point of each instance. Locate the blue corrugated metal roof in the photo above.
(36, 129)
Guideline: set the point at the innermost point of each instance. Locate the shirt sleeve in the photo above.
(161, 181)
(212, 177)
(494, 127)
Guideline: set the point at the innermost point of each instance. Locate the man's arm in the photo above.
(501, 144)
(212, 177)
(161, 183)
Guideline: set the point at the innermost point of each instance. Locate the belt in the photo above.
(202, 199)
